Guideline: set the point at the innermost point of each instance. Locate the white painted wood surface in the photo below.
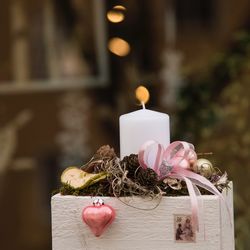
(135, 229)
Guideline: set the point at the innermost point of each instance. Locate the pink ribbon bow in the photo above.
(174, 161)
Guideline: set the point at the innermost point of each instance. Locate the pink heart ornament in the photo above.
(98, 218)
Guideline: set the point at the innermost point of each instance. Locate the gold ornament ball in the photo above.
(204, 167)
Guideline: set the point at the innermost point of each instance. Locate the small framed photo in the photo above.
(183, 229)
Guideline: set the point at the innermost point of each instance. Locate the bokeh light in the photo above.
(119, 46)
(119, 7)
(115, 16)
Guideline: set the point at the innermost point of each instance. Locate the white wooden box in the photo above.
(135, 229)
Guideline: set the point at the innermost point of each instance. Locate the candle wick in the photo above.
(143, 105)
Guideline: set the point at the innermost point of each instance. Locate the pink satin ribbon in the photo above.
(174, 161)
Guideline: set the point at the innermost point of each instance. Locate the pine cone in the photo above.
(131, 164)
(147, 177)
(105, 152)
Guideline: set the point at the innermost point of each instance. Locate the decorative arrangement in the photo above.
(175, 171)
(149, 167)
(106, 175)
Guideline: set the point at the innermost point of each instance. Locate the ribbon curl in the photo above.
(174, 161)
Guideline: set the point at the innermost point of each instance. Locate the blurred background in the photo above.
(69, 69)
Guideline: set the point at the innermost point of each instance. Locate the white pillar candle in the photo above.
(140, 126)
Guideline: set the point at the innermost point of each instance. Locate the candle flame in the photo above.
(142, 94)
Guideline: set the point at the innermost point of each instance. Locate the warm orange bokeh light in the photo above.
(142, 94)
(115, 16)
(119, 7)
(119, 46)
